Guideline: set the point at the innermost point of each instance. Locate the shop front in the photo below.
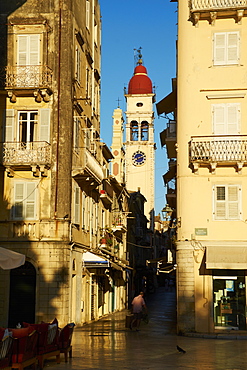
(229, 300)
(229, 286)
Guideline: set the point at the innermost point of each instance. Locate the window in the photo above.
(134, 131)
(226, 119)
(27, 126)
(28, 50)
(87, 14)
(28, 60)
(78, 64)
(227, 202)
(77, 205)
(30, 126)
(24, 207)
(77, 124)
(88, 83)
(226, 48)
(95, 33)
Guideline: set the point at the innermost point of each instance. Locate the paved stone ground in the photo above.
(107, 344)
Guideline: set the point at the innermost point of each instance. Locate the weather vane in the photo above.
(138, 55)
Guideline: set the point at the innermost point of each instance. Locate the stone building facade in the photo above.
(209, 142)
(56, 193)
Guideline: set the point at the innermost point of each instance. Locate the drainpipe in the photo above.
(58, 103)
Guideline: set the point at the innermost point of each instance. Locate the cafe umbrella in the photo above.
(10, 259)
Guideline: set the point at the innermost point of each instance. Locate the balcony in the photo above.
(106, 194)
(19, 80)
(168, 137)
(17, 154)
(171, 197)
(86, 170)
(213, 151)
(212, 9)
(118, 225)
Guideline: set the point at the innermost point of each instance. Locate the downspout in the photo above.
(58, 104)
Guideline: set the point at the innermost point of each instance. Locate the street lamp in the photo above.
(167, 212)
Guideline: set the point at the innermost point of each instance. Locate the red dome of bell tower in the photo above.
(140, 83)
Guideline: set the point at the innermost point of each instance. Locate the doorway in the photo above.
(22, 295)
(229, 302)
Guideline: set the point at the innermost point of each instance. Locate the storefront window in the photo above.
(229, 300)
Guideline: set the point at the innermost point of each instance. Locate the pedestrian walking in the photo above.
(138, 304)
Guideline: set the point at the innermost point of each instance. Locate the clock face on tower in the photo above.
(138, 158)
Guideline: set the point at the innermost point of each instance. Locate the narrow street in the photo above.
(107, 344)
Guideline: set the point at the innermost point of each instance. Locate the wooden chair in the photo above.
(6, 345)
(24, 348)
(47, 342)
(65, 339)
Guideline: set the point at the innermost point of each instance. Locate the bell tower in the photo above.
(139, 145)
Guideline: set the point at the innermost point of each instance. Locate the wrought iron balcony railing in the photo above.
(227, 150)
(199, 5)
(19, 154)
(31, 76)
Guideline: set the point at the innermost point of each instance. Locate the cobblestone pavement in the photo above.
(107, 344)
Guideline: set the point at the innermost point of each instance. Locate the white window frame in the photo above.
(223, 54)
(223, 122)
(11, 121)
(28, 138)
(27, 199)
(229, 209)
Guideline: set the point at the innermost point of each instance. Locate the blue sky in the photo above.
(128, 25)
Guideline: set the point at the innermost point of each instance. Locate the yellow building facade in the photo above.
(56, 193)
(211, 165)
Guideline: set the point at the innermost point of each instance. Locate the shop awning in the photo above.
(93, 260)
(221, 257)
(10, 259)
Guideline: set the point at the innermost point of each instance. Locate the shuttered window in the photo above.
(28, 50)
(226, 119)
(76, 133)
(24, 207)
(87, 14)
(78, 64)
(30, 126)
(226, 48)
(227, 202)
(9, 119)
(77, 205)
(44, 132)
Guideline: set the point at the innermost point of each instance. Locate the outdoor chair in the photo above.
(6, 343)
(47, 345)
(64, 340)
(24, 348)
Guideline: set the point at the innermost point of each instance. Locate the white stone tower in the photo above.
(140, 146)
(117, 146)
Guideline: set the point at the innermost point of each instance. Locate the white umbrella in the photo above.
(10, 259)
